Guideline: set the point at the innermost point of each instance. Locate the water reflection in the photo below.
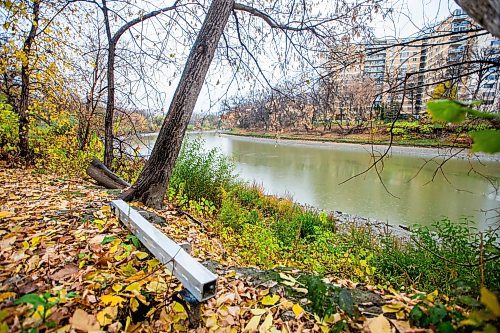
(312, 175)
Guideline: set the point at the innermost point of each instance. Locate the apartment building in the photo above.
(408, 73)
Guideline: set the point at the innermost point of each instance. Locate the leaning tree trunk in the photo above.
(152, 183)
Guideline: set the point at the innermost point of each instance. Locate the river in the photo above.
(312, 174)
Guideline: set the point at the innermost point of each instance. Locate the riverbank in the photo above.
(377, 147)
(69, 265)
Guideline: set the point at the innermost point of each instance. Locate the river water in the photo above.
(312, 174)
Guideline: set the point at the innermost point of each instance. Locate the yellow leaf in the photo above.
(6, 295)
(156, 287)
(26, 245)
(297, 309)
(117, 287)
(35, 241)
(270, 300)
(392, 308)
(134, 304)
(106, 316)
(490, 300)
(178, 307)
(432, 296)
(267, 324)
(5, 214)
(400, 315)
(252, 324)
(141, 255)
(379, 324)
(112, 300)
(133, 286)
(258, 312)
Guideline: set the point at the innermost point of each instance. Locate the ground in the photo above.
(67, 265)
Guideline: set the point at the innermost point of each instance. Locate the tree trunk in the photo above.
(112, 43)
(152, 183)
(485, 12)
(105, 177)
(22, 109)
(110, 106)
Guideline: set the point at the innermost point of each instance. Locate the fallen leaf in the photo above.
(267, 324)
(141, 255)
(379, 324)
(106, 316)
(83, 321)
(112, 300)
(270, 300)
(252, 324)
(64, 273)
(258, 312)
(297, 309)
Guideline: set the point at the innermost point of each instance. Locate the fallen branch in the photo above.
(105, 177)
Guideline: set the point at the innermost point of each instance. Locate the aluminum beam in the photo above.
(193, 275)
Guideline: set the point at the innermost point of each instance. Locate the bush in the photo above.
(9, 124)
(56, 148)
(445, 257)
(202, 175)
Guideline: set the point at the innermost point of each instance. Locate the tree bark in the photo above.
(100, 173)
(485, 12)
(22, 110)
(152, 183)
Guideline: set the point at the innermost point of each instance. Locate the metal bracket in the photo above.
(195, 277)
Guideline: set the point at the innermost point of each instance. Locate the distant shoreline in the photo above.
(398, 149)
(421, 151)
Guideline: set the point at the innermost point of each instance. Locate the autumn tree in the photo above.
(32, 62)
(305, 31)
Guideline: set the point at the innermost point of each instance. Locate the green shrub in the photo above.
(202, 175)
(249, 196)
(257, 245)
(9, 125)
(445, 257)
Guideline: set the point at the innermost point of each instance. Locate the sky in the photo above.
(407, 19)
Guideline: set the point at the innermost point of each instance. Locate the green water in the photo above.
(312, 174)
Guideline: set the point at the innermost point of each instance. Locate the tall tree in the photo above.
(22, 108)
(113, 40)
(31, 61)
(305, 30)
(153, 181)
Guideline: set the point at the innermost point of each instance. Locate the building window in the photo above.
(488, 85)
(495, 43)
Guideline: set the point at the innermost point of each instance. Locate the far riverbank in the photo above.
(376, 148)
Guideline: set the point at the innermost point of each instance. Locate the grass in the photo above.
(267, 231)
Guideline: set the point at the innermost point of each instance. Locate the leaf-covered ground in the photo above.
(67, 264)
